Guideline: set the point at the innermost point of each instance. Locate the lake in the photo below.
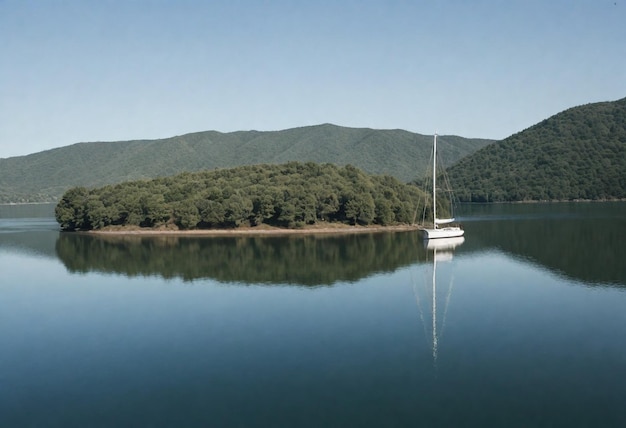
(522, 324)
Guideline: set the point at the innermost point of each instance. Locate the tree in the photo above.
(71, 210)
(186, 214)
(237, 210)
(211, 212)
(384, 213)
(360, 208)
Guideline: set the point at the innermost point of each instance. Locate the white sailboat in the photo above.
(438, 232)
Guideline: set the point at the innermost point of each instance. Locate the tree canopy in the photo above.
(577, 154)
(287, 195)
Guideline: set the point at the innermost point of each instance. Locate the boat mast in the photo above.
(435, 182)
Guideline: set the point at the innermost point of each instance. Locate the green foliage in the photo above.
(577, 154)
(71, 211)
(288, 195)
(46, 175)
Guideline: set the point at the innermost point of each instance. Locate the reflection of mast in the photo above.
(443, 250)
(435, 305)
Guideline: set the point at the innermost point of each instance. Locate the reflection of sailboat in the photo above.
(442, 250)
(444, 245)
(439, 232)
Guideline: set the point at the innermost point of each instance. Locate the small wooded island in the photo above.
(294, 195)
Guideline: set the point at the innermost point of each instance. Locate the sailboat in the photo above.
(439, 232)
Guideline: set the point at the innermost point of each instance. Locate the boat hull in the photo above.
(444, 232)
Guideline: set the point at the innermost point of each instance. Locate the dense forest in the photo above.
(287, 195)
(45, 176)
(577, 154)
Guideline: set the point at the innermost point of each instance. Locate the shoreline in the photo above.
(17, 204)
(253, 231)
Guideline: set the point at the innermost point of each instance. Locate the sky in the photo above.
(111, 70)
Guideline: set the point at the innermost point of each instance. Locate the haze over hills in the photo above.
(44, 176)
(579, 153)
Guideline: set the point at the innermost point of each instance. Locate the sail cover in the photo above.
(443, 220)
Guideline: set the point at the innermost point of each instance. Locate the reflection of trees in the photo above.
(303, 260)
(581, 241)
(38, 242)
(582, 248)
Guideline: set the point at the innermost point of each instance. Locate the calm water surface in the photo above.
(528, 327)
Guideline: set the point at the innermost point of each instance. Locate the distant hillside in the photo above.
(577, 154)
(44, 176)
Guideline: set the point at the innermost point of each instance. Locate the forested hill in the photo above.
(288, 195)
(44, 176)
(577, 154)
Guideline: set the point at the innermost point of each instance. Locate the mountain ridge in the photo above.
(577, 154)
(44, 176)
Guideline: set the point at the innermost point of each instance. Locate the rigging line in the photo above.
(417, 207)
(419, 307)
(426, 182)
(424, 214)
(448, 185)
(445, 309)
(443, 176)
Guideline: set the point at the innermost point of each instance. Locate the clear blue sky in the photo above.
(74, 71)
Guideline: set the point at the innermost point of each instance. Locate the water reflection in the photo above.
(33, 236)
(433, 301)
(142, 351)
(580, 241)
(300, 260)
(28, 229)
